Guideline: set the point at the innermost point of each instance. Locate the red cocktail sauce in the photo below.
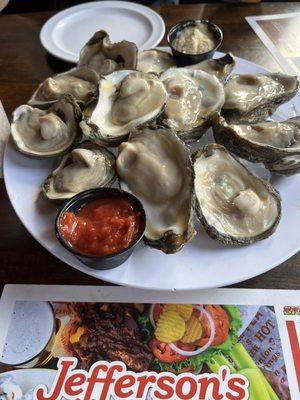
(102, 227)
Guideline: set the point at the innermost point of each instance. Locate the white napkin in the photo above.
(4, 134)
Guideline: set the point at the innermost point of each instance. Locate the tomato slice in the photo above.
(157, 311)
(221, 321)
(164, 353)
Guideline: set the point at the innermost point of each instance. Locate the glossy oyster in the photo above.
(86, 167)
(80, 82)
(193, 96)
(156, 61)
(220, 67)
(262, 142)
(155, 166)
(234, 206)
(288, 165)
(47, 133)
(253, 98)
(105, 57)
(126, 100)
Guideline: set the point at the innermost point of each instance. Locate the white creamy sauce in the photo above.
(195, 39)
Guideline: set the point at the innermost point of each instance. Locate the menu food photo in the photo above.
(144, 148)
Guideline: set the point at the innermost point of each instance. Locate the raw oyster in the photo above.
(46, 133)
(193, 96)
(288, 165)
(105, 57)
(234, 206)
(155, 166)
(262, 142)
(156, 61)
(126, 100)
(87, 166)
(220, 67)
(81, 82)
(253, 98)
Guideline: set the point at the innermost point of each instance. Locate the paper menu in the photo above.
(281, 35)
(117, 326)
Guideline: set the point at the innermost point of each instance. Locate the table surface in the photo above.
(24, 63)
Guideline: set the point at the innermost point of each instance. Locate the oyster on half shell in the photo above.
(47, 133)
(155, 166)
(234, 206)
(127, 99)
(80, 82)
(288, 165)
(100, 54)
(86, 167)
(253, 98)
(156, 61)
(193, 96)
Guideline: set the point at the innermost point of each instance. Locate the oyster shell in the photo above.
(156, 61)
(193, 96)
(86, 167)
(46, 133)
(220, 67)
(126, 100)
(288, 165)
(155, 166)
(234, 206)
(262, 142)
(106, 57)
(80, 82)
(253, 98)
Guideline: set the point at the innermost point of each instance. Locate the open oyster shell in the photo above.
(156, 61)
(105, 57)
(262, 142)
(155, 166)
(193, 96)
(127, 99)
(47, 133)
(288, 165)
(252, 98)
(220, 67)
(234, 206)
(80, 82)
(86, 167)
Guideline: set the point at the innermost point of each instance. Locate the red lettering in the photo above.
(192, 387)
(72, 382)
(165, 384)
(143, 382)
(107, 380)
(238, 387)
(124, 382)
(205, 384)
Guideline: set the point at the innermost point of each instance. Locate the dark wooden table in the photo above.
(24, 63)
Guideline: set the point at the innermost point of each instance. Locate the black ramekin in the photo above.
(80, 200)
(183, 59)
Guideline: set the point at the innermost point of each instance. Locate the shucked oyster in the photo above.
(262, 142)
(105, 57)
(126, 100)
(156, 61)
(234, 206)
(154, 165)
(220, 67)
(81, 82)
(193, 96)
(46, 133)
(253, 98)
(87, 166)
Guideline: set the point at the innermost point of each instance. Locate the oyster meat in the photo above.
(126, 100)
(86, 167)
(80, 82)
(193, 96)
(105, 57)
(47, 133)
(234, 206)
(253, 98)
(155, 166)
(156, 61)
(220, 67)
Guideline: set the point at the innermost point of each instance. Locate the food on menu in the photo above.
(165, 189)
(86, 166)
(254, 209)
(9, 390)
(130, 98)
(253, 98)
(194, 39)
(102, 227)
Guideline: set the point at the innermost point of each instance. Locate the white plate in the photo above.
(65, 33)
(28, 379)
(203, 263)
